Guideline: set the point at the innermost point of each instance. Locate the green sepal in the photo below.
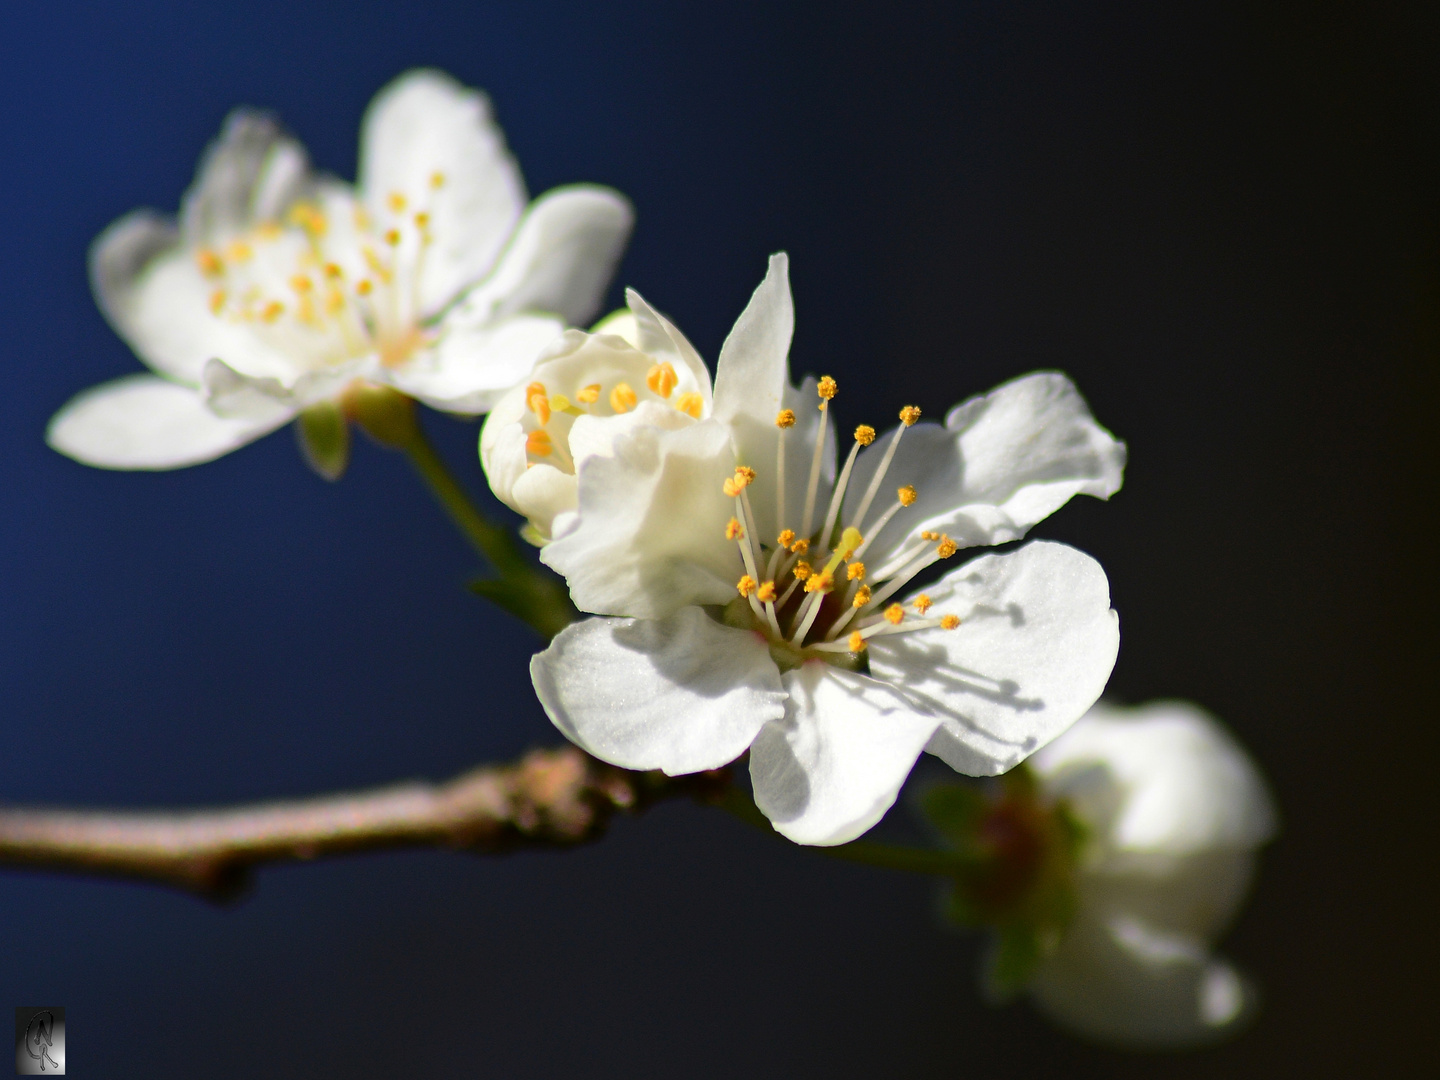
(386, 415)
(538, 601)
(324, 439)
(956, 811)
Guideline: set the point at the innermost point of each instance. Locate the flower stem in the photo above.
(872, 853)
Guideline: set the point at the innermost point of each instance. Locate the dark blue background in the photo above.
(1222, 223)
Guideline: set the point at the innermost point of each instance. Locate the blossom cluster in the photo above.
(757, 585)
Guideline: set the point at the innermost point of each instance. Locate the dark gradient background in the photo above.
(1222, 221)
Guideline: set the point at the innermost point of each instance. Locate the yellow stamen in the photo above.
(746, 585)
(802, 570)
(893, 614)
(588, 394)
(766, 592)
(828, 388)
(661, 379)
(437, 180)
(622, 398)
(745, 473)
(334, 301)
(268, 230)
(929, 536)
(801, 546)
(949, 622)
(739, 482)
(947, 547)
(209, 263)
(396, 201)
(857, 642)
(862, 597)
(559, 403)
(854, 570)
(538, 402)
(864, 434)
(333, 272)
(422, 220)
(238, 251)
(539, 444)
(922, 603)
(734, 530)
(392, 237)
(822, 582)
(907, 495)
(301, 284)
(691, 404)
(363, 287)
(909, 414)
(217, 301)
(272, 311)
(785, 418)
(786, 538)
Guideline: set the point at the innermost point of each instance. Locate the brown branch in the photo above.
(549, 798)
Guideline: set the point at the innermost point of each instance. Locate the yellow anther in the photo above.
(396, 201)
(734, 530)
(333, 271)
(691, 404)
(864, 434)
(739, 482)
(301, 284)
(746, 585)
(802, 570)
(785, 418)
(922, 603)
(392, 237)
(766, 592)
(437, 180)
(801, 546)
(622, 398)
(538, 443)
(821, 582)
(588, 395)
(744, 473)
(862, 597)
(929, 536)
(854, 571)
(949, 622)
(893, 614)
(209, 263)
(334, 301)
(238, 251)
(217, 301)
(272, 311)
(268, 230)
(907, 495)
(947, 547)
(538, 402)
(422, 220)
(909, 414)
(857, 641)
(786, 538)
(363, 287)
(661, 379)
(827, 388)
(308, 218)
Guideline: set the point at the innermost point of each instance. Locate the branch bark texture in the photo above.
(549, 798)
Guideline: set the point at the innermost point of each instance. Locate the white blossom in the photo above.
(752, 588)
(280, 287)
(1174, 811)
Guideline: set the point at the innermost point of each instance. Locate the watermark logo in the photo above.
(40, 1040)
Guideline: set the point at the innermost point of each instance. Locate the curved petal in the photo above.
(754, 367)
(1002, 463)
(649, 537)
(561, 257)
(471, 366)
(1035, 645)
(144, 422)
(831, 768)
(426, 125)
(657, 336)
(680, 694)
(249, 174)
(1164, 778)
(1122, 981)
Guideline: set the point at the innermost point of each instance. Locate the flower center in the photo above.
(809, 591)
(330, 284)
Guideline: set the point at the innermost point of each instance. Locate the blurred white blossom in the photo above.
(752, 586)
(280, 289)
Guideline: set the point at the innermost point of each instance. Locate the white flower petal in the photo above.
(561, 257)
(1165, 778)
(657, 336)
(596, 436)
(1002, 463)
(753, 372)
(1035, 646)
(423, 124)
(831, 768)
(472, 365)
(1126, 982)
(680, 694)
(144, 422)
(251, 173)
(649, 537)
